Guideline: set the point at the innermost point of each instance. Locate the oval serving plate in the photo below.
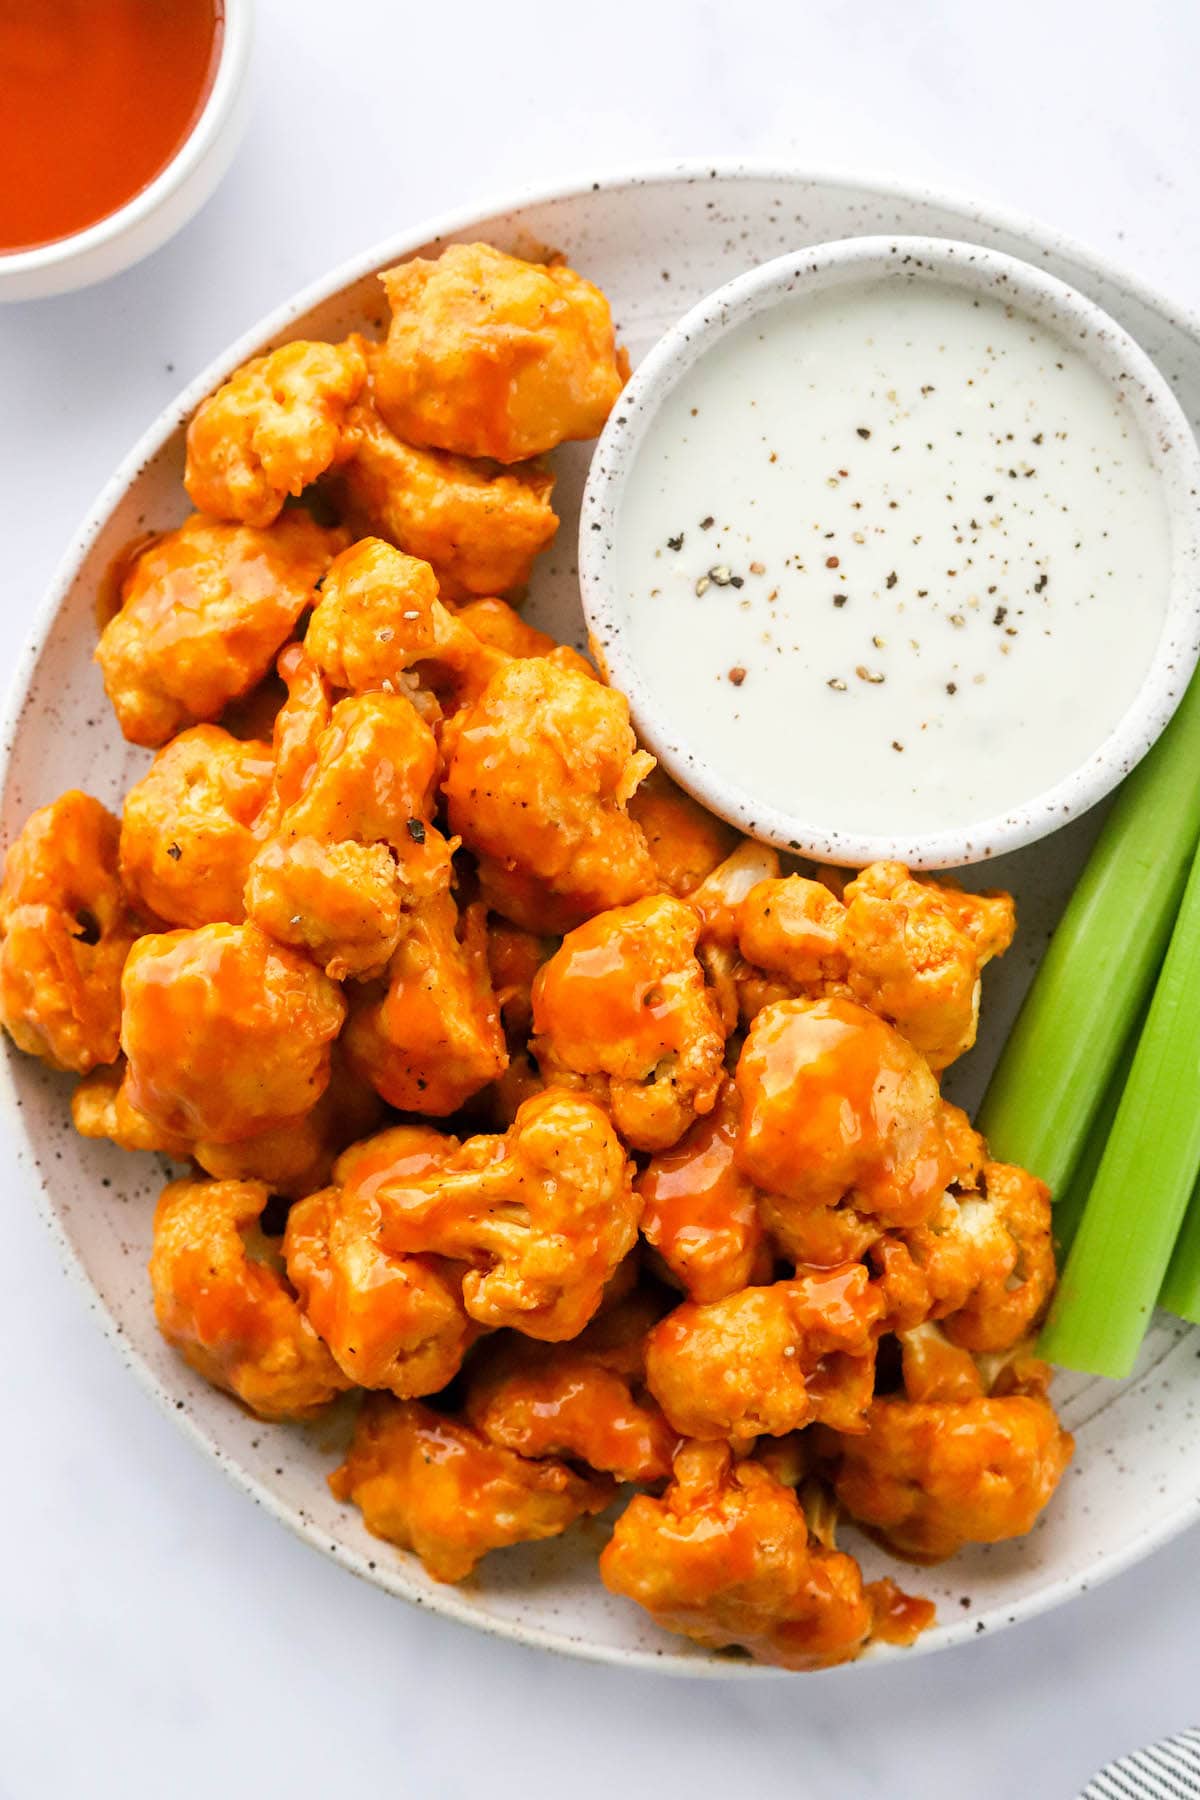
(1135, 1481)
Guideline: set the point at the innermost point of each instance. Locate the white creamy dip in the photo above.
(894, 557)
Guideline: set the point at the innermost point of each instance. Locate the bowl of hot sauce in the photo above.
(117, 120)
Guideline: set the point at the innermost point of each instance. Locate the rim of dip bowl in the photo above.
(1108, 349)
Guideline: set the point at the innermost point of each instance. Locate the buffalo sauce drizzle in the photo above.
(96, 97)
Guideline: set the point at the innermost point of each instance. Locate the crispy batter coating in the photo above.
(299, 722)
(623, 1004)
(379, 617)
(274, 427)
(768, 1360)
(390, 1320)
(227, 1034)
(836, 1102)
(915, 949)
(222, 1301)
(544, 1214)
(66, 928)
(909, 949)
(718, 899)
(540, 772)
(204, 610)
(357, 849)
(701, 1213)
(101, 1108)
(295, 1158)
(491, 356)
(192, 824)
(793, 928)
(931, 1475)
(479, 527)
(584, 1401)
(983, 1263)
(725, 1557)
(432, 1037)
(685, 843)
(436, 1486)
(496, 623)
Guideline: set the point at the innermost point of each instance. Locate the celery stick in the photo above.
(1101, 962)
(1121, 1250)
(1068, 1208)
(1181, 1289)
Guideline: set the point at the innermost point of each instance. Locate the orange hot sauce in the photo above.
(96, 97)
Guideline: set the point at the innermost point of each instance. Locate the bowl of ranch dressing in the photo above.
(894, 546)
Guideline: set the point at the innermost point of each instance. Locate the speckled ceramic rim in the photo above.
(393, 1577)
(165, 205)
(791, 280)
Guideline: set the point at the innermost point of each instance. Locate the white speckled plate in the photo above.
(656, 244)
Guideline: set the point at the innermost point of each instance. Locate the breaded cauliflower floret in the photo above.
(297, 727)
(726, 1557)
(66, 927)
(835, 1103)
(686, 843)
(491, 356)
(700, 1212)
(204, 610)
(193, 824)
(983, 1263)
(222, 1300)
(480, 528)
(391, 1321)
(101, 1108)
(915, 949)
(226, 1033)
(909, 949)
(544, 1214)
(584, 1401)
(293, 1159)
(540, 772)
(792, 928)
(432, 1037)
(930, 1475)
(272, 429)
(379, 615)
(623, 1005)
(435, 1486)
(769, 1360)
(357, 850)
(719, 897)
(496, 623)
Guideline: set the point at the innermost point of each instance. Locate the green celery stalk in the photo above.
(1181, 1288)
(1147, 1172)
(1068, 1208)
(1101, 962)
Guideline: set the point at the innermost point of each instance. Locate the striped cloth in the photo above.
(1166, 1771)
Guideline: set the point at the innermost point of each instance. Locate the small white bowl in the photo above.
(162, 207)
(789, 280)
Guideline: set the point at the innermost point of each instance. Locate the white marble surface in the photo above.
(160, 1636)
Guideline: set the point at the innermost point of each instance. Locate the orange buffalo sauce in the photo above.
(96, 96)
